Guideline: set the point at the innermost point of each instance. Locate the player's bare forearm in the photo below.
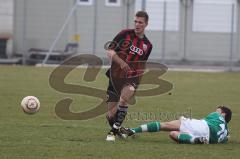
(114, 57)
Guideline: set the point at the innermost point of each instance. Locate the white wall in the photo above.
(6, 16)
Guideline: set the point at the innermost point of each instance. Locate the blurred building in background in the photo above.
(182, 31)
(6, 28)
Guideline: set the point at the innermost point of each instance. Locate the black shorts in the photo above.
(114, 91)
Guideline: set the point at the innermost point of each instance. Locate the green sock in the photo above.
(149, 127)
(185, 139)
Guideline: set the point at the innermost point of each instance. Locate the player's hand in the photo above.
(110, 53)
(113, 56)
(124, 66)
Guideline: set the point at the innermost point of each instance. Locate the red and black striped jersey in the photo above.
(131, 49)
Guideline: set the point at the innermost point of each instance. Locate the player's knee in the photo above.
(174, 135)
(127, 93)
(131, 88)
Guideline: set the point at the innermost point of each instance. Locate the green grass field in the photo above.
(46, 136)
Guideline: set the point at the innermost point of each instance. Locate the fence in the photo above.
(182, 31)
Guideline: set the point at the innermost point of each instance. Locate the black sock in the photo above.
(120, 116)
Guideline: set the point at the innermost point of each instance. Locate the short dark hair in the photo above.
(142, 14)
(228, 113)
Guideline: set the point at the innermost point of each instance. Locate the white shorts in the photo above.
(195, 128)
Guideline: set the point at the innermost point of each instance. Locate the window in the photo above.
(164, 14)
(85, 2)
(112, 3)
(214, 16)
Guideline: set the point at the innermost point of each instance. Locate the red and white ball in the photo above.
(30, 104)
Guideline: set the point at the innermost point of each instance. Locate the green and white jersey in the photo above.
(218, 128)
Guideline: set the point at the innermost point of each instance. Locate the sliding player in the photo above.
(211, 129)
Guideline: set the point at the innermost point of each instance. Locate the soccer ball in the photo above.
(30, 104)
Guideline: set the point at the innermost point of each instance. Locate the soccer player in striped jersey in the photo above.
(128, 52)
(212, 129)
